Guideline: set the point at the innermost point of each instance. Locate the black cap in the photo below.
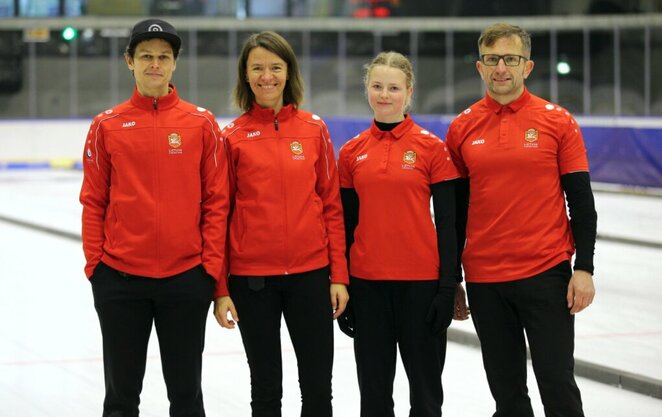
(155, 28)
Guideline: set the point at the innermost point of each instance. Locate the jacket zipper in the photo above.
(280, 165)
(155, 147)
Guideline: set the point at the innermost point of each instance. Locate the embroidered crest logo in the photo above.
(174, 140)
(296, 147)
(531, 135)
(409, 157)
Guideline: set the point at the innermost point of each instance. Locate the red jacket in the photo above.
(287, 216)
(155, 189)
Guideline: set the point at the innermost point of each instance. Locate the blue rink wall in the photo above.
(625, 151)
(620, 151)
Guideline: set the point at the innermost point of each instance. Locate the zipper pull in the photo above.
(156, 103)
(276, 124)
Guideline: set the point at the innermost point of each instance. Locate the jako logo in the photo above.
(253, 134)
(362, 157)
(128, 124)
(478, 142)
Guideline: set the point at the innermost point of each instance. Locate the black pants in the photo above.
(501, 313)
(304, 300)
(388, 315)
(127, 306)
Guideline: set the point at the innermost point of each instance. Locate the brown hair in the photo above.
(504, 30)
(242, 94)
(395, 60)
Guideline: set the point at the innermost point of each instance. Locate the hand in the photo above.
(580, 291)
(440, 313)
(346, 321)
(339, 299)
(461, 311)
(223, 306)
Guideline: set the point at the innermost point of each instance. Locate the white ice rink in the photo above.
(50, 343)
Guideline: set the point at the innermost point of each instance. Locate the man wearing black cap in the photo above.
(155, 204)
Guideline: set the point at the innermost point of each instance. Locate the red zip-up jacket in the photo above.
(286, 212)
(155, 191)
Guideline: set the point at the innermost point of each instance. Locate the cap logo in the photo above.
(154, 28)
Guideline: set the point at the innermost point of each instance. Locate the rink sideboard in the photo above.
(626, 150)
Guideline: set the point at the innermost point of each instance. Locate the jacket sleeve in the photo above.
(222, 289)
(215, 201)
(94, 195)
(328, 188)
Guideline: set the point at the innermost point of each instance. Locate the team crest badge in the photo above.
(531, 135)
(174, 140)
(296, 147)
(409, 157)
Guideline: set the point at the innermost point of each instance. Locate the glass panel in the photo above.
(94, 71)
(467, 85)
(656, 80)
(268, 8)
(570, 71)
(216, 72)
(538, 82)
(632, 72)
(73, 7)
(53, 82)
(430, 91)
(7, 8)
(602, 72)
(360, 51)
(13, 76)
(39, 8)
(326, 97)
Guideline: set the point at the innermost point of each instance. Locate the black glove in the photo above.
(346, 321)
(440, 314)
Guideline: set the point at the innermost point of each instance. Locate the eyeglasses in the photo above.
(492, 60)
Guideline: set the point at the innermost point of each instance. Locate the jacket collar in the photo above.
(268, 114)
(396, 133)
(514, 106)
(162, 103)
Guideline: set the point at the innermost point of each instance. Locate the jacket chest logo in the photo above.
(531, 138)
(531, 135)
(175, 141)
(408, 160)
(297, 150)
